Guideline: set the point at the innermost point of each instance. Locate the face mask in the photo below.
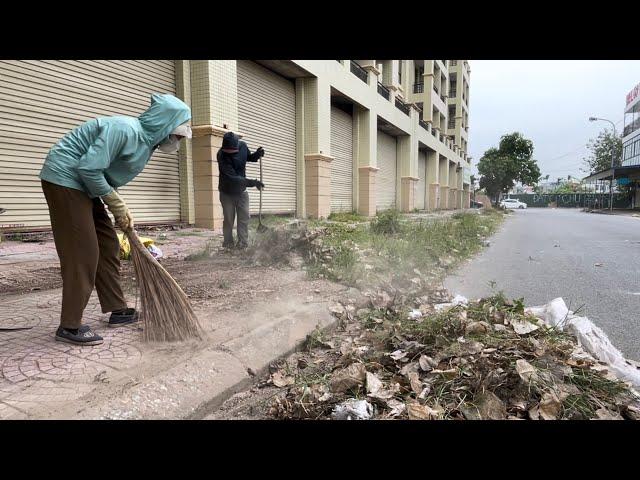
(171, 145)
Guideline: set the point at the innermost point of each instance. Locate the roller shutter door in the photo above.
(421, 189)
(342, 164)
(267, 118)
(386, 177)
(40, 101)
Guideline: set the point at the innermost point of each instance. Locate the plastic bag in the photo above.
(125, 248)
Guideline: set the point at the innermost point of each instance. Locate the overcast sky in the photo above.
(549, 102)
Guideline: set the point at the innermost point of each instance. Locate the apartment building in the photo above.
(339, 135)
(627, 171)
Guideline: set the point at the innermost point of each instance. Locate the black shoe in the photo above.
(83, 336)
(124, 317)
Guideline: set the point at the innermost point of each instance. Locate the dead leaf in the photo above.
(550, 406)
(522, 326)
(416, 384)
(534, 413)
(422, 412)
(427, 363)
(526, 371)
(375, 388)
(604, 414)
(348, 378)
(599, 264)
(398, 354)
(477, 328)
(281, 380)
(397, 407)
(490, 406)
(449, 374)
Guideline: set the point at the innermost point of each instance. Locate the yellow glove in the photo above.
(119, 210)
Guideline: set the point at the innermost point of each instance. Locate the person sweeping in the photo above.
(232, 184)
(81, 175)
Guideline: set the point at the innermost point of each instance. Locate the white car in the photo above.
(513, 204)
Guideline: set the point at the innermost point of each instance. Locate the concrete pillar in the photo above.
(365, 157)
(214, 94)
(427, 114)
(185, 154)
(453, 184)
(444, 182)
(408, 164)
(313, 123)
(433, 185)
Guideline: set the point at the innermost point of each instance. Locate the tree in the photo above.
(600, 150)
(500, 168)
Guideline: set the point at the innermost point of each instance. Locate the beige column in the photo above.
(444, 182)
(432, 180)
(461, 193)
(453, 184)
(185, 158)
(313, 122)
(214, 100)
(207, 140)
(427, 110)
(408, 165)
(365, 157)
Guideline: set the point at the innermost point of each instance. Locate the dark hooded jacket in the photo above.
(232, 166)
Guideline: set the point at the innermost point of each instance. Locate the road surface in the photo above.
(592, 261)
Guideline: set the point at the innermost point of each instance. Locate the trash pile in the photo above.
(125, 247)
(433, 357)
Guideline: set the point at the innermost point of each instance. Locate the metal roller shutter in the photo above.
(386, 177)
(40, 101)
(342, 164)
(421, 189)
(267, 118)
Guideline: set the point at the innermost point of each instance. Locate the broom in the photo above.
(166, 312)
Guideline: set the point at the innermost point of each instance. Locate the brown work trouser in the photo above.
(88, 247)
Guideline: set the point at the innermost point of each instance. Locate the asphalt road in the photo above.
(543, 253)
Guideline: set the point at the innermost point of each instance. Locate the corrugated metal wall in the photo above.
(267, 118)
(386, 177)
(421, 189)
(342, 164)
(40, 101)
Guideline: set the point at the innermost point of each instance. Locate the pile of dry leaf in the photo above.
(426, 358)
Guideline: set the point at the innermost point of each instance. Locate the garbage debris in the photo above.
(590, 337)
(486, 359)
(353, 410)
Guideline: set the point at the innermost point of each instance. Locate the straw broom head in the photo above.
(166, 312)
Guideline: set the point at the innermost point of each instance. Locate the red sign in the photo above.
(633, 94)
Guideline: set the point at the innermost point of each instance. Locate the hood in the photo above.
(165, 114)
(230, 142)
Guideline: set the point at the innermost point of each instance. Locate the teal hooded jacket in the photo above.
(108, 152)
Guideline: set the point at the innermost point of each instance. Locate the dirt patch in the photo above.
(30, 280)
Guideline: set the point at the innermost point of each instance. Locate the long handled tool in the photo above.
(261, 228)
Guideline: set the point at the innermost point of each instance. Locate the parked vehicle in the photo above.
(513, 204)
(475, 204)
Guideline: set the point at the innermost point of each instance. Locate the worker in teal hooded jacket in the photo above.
(81, 175)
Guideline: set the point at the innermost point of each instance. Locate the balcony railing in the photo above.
(632, 127)
(434, 132)
(403, 107)
(418, 87)
(384, 91)
(424, 125)
(452, 124)
(435, 88)
(453, 63)
(442, 98)
(359, 72)
(453, 92)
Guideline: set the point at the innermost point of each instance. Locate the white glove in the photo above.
(119, 210)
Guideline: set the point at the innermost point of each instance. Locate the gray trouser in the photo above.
(232, 205)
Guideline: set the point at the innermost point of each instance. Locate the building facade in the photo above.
(339, 135)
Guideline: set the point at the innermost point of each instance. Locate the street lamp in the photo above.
(613, 170)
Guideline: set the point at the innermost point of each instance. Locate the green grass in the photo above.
(349, 217)
(270, 220)
(396, 245)
(189, 234)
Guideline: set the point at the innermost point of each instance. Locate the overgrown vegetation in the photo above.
(390, 248)
(346, 217)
